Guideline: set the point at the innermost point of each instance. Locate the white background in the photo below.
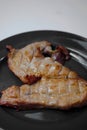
(17, 16)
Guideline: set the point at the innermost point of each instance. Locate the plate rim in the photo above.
(72, 35)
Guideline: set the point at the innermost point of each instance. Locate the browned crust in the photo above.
(20, 105)
(31, 79)
(26, 106)
(23, 106)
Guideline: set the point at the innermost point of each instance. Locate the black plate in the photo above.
(42, 119)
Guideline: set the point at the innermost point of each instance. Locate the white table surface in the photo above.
(17, 16)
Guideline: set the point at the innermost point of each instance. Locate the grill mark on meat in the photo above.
(34, 63)
(47, 96)
(32, 95)
(57, 95)
(78, 87)
(59, 70)
(71, 89)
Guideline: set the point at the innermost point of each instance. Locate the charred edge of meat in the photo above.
(31, 79)
(23, 106)
(64, 51)
(60, 54)
(26, 106)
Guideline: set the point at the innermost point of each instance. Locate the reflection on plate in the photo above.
(45, 118)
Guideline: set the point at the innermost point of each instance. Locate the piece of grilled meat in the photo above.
(47, 93)
(29, 63)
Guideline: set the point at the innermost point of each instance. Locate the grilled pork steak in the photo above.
(57, 86)
(29, 63)
(47, 93)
